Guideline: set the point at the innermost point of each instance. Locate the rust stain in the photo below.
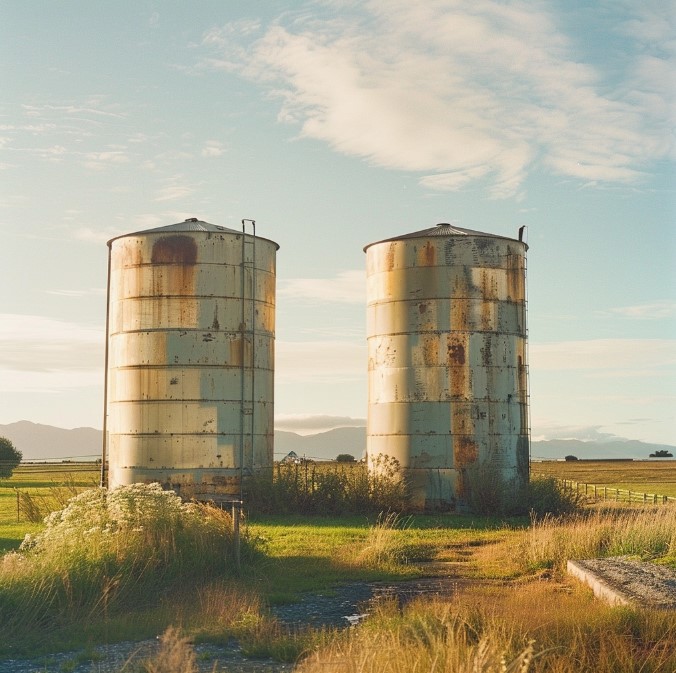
(456, 354)
(174, 250)
(515, 277)
(389, 258)
(465, 451)
(179, 253)
(431, 351)
(428, 254)
(237, 354)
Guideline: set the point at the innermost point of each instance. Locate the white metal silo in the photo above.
(190, 358)
(446, 327)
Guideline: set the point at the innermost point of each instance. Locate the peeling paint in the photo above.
(178, 351)
(446, 321)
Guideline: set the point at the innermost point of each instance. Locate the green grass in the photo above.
(42, 482)
(523, 593)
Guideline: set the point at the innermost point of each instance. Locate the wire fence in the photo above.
(601, 492)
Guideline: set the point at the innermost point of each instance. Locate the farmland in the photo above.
(513, 601)
(645, 476)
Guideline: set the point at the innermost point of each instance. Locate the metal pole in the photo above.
(252, 332)
(236, 512)
(241, 369)
(105, 378)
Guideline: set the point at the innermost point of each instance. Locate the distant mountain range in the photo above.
(46, 442)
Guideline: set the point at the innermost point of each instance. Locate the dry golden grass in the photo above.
(644, 476)
(644, 532)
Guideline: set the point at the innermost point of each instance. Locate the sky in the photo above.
(335, 124)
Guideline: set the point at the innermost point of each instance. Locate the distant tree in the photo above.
(345, 458)
(661, 453)
(571, 458)
(9, 457)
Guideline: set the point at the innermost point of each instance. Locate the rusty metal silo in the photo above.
(447, 360)
(190, 358)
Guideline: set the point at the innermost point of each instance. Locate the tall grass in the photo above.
(532, 628)
(425, 637)
(330, 489)
(646, 533)
(107, 553)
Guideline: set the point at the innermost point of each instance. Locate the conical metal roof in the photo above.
(442, 229)
(192, 224)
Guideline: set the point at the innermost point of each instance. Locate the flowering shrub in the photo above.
(107, 551)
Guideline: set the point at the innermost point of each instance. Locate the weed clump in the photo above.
(332, 489)
(108, 552)
(645, 533)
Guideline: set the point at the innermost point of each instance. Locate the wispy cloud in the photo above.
(620, 356)
(213, 148)
(174, 190)
(76, 294)
(320, 361)
(462, 90)
(347, 287)
(547, 429)
(39, 354)
(312, 423)
(650, 311)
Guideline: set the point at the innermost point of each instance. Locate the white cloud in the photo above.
(43, 354)
(313, 423)
(174, 190)
(624, 356)
(650, 311)
(461, 90)
(213, 148)
(546, 429)
(320, 361)
(76, 294)
(347, 287)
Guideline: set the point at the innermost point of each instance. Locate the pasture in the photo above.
(514, 609)
(657, 476)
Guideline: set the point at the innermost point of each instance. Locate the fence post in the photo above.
(617, 495)
(629, 501)
(236, 513)
(18, 509)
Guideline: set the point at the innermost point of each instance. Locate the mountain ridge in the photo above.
(39, 442)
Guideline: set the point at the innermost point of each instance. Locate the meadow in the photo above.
(657, 476)
(143, 564)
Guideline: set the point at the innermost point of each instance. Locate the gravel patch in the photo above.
(127, 657)
(344, 606)
(623, 580)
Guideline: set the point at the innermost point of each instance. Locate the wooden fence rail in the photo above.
(599, 492)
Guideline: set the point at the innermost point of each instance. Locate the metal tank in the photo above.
(446, 326)
(190, 358)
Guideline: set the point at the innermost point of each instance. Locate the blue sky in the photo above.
(334, 124)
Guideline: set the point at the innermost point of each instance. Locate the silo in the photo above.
(448, 398)
(190, 358)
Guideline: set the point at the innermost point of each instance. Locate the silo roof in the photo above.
(441, 229)
(192, 224)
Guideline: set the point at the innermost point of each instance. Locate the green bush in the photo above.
(546, 495)
(109, 552)
(10, 457)
(329, 489)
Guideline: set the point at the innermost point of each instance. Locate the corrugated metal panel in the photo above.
(446, 325)
(190, 382)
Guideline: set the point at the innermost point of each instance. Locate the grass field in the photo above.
(49, 485)
(646, 476)
(515, 608)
